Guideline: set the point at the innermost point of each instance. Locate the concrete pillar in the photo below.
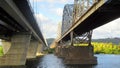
(39, 49)
(61, 51)
(80, 55)
(32, 49)
(58, 50)
(17, 53)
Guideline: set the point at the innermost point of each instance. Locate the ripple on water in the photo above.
(51, 61)
(104, 61)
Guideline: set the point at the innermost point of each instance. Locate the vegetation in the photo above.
(103, 48)
(1, 51)
(50, 50)
(99, 48)
(106, 48)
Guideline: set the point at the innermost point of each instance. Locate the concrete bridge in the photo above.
(77, 26)
(20, 34)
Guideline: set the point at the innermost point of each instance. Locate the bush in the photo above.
(50, 50)
(106, 48)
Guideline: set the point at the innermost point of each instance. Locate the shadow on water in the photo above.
(33, 63)
(52, 61)
(80, 66)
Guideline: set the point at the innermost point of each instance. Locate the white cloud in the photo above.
(50, 29)
(112, 29)
(57, 11)
(58, 1)
(48, 26)
(52, 7)
(36, 0)
(41, 17)
(55, 1)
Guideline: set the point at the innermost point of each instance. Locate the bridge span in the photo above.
(86, 15)
(20, 34)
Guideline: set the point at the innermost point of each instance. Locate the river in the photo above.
(52, 61)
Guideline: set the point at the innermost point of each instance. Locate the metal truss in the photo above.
(80, 7)
(83, 39)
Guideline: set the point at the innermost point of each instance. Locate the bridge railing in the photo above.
(81, 7)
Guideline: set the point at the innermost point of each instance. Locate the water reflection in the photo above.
(51, 61)
(104, 61)
(80, 66)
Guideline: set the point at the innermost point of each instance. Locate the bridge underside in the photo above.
(20, 34)
(17, 16)
(106, 13)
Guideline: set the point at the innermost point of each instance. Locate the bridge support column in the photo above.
(64, 52)
(39, 49)
(32, 49)
(61, 51)
(17, 53)
(80, 55)
(57, 50)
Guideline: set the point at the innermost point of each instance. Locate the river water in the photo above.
(104, 61)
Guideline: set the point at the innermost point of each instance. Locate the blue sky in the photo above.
(49, 13)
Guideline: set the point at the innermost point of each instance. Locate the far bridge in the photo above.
(78, 22)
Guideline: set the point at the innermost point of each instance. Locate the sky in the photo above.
(49, 14)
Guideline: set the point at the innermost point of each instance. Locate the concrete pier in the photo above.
(61, 51)
(16, 55)
(32, 49)
(58, 51)
(39, 50)
(80, 55)
(77, 55)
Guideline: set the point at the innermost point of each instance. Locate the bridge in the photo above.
(20, 34)
(77, 26)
